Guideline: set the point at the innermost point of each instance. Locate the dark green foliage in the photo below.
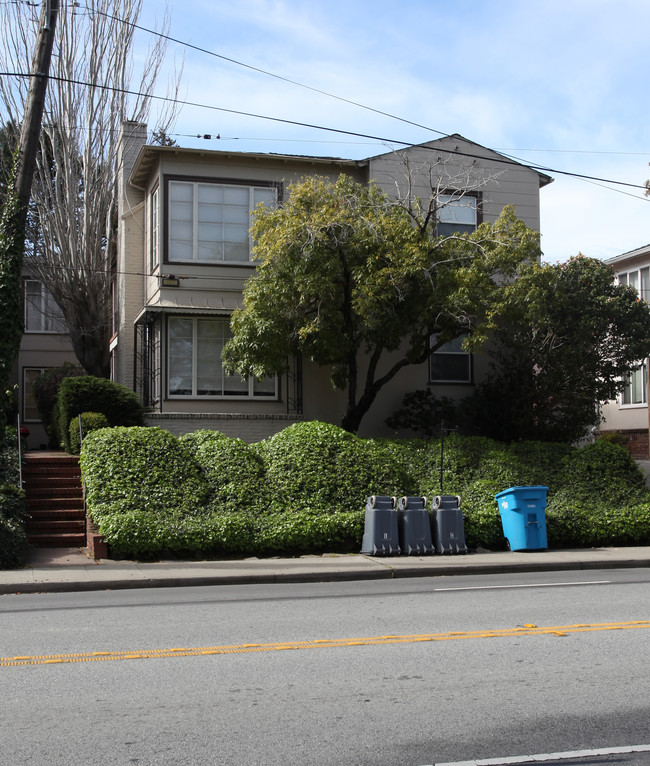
(90, 421)
(46, 391)
(87, 393)
(321, 466)
(9, 469)
(13, 515)
(12, 241)
(131, 470)
(153, 494)
(422, 412)
(234, 471)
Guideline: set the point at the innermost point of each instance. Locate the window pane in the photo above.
(453, 368)
(33, 306)
(236, 195)
(457, 209)
(633, 280)
(181, 192)
(180, 356)
(645, 283)
(211, 194)
(264, 387)
(266, 196)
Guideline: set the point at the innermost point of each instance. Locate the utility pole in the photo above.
(31, 126)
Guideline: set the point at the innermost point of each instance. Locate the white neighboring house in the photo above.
(45, 344)
(184, 255)
(628, 414)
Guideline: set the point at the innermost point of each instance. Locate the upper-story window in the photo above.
(451, 363)
(42, 313)
(639, 279)
(209, 222)
(457, 214)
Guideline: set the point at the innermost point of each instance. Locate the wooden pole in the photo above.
(31, 126)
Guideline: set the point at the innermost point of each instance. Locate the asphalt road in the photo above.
(401, 673)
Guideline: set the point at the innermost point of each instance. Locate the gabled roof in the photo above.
(483, 152)
(631, 255)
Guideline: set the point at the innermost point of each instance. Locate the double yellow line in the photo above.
(326, 643)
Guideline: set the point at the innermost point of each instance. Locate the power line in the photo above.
(502, 159)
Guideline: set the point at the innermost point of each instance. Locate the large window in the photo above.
(451, 363)
(195, 366)
(42, 314)
(457, 214)
(639, 279)
(635, 391)
(210, 222)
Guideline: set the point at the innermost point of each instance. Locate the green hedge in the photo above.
(304, 489)
(89, 421)
(13, 515)
(46, 390)
(117, 403)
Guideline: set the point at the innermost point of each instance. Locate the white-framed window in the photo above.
(194, 364)
(457, 214)
(42, 313)
(635, 391)
(30, 410)
(639, 279)
(451, 363)
(154, 229)
(209, 222)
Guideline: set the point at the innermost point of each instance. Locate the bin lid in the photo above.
(513, 490)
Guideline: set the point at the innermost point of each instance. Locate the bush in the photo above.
(46, 391)
(151, 493)
(90, 421)
(140, 469)
(234, 471)
(320, 466)
(118, 403)
(13, 535)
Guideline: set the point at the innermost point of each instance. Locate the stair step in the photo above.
(54, 503)
(63, 526)
(54, 540)
(50, 514)
(44, 493)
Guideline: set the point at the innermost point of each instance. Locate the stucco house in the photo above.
(184, 256)
(628, 414)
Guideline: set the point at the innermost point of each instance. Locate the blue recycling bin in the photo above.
(523, 517)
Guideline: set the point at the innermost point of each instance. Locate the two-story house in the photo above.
(184, 254)
(628, 414)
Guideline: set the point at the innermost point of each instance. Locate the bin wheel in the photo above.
(507, 544)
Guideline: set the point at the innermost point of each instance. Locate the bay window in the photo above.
(195, 367)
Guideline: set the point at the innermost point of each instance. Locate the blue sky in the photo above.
(558, 84)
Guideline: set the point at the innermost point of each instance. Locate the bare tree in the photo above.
(92, 85)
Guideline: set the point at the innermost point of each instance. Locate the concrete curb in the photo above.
(72, 571)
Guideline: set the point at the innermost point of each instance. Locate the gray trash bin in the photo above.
(448, 525)
(414, 525)
(380, 535)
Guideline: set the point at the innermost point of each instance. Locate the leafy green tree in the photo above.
(346, 276)
(571, 336)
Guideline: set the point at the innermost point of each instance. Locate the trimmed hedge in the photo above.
(90, 421)
(13, 514)
(233, 469)
(304, 489)
(117, 403)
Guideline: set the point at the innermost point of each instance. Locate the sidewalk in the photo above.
(70, 569)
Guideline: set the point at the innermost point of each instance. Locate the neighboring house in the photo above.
(45, 343)
(184, 256)
(628, 414)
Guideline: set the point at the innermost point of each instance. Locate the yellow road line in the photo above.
(321, 643)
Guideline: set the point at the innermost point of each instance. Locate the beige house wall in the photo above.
(216, 289)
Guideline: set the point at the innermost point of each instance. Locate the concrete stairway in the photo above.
(52, 483)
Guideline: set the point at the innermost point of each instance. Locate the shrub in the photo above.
(13, 535)
(90, 421)
(118, 403)
(46, 391)
(139, 469)
(234, 471)
(320, 466)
